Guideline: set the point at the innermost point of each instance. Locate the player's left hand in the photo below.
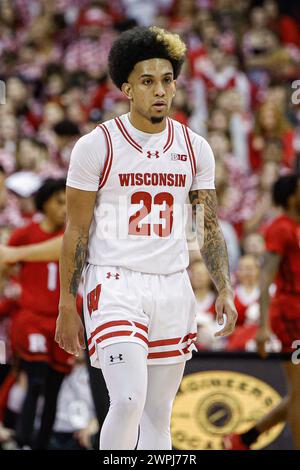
(225, 306)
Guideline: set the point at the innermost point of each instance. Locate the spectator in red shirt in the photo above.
(262, 209)
(34, 327)
(271, 124)
(282, 263)
(283, 25)
(247, 290)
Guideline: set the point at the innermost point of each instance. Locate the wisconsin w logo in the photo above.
(153, 154)
(93, 299)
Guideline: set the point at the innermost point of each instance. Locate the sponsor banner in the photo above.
(222, 394)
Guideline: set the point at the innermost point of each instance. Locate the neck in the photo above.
(48, 227)
(145, 125)
(293, 214)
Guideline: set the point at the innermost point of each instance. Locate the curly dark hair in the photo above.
(141, 43)
(283, 188)
(49, 187)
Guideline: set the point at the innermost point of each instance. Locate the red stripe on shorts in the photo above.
(112, 335)
(190, 336)
(115, 323)
(159, 355)
(141, 326)
(164, 354)
(163, 342)
(109, 325)
(138, 335)
(92, 350)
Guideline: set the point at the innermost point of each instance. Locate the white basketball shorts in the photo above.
(154, 310)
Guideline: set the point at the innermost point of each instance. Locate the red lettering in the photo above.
(124, 179)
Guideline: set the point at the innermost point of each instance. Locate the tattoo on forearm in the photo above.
(79, 260)
(213, 251)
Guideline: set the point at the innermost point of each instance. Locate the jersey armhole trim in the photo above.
(109, 158)
(189, 149)
(170, 138)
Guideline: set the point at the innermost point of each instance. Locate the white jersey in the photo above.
(143, 181)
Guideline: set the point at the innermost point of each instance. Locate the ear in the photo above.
(127, 91)
(175, 87)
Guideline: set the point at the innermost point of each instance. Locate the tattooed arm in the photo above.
(214, 253)
(69, 328)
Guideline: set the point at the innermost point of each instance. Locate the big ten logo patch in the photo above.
(93, 298)
(212, 404)
(178, 156)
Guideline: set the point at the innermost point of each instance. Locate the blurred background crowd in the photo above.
(235, 90)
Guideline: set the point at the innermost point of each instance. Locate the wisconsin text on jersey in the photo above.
(152, 179)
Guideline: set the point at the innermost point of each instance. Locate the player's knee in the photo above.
(160, 414)
(130, 405)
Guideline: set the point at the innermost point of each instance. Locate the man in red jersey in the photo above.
(282, 260)
(34, 327)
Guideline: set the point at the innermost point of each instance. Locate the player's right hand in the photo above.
(262, 337)
(70, 332)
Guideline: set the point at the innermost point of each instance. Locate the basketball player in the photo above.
(33, 329)
(282, 259)
(127, 184)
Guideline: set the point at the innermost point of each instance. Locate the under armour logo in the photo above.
(109, 275)
(153, 154)
(116, 359)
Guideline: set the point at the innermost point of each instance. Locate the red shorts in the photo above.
(32, 338)
(285, 320)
